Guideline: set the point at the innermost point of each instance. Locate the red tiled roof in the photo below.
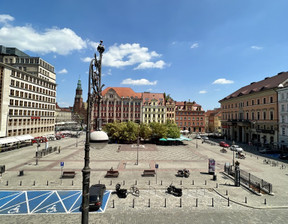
(151, 96)
(122, 92)
(267, 83)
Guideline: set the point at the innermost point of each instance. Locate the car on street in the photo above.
(198, 137)
(283, 156)
(205, 138)
(224, 144)
(96, 193)
(236, 148)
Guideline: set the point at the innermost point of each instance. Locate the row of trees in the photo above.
(129, 131)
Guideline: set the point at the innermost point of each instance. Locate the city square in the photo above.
(201, 194)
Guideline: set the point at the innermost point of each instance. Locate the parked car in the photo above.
(39, 139)
(224, 144)
(198, 137)
(205, 138)
(236, 148)
(96, 192)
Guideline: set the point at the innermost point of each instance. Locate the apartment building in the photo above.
(154, 109)
(190, 116)
(213, 120)
(250, 114)
(170, 110)
(28, 94)
(119, 104)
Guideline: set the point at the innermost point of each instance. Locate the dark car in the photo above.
(283, 156)
(96, 192)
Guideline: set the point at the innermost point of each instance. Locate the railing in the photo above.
(250, 180)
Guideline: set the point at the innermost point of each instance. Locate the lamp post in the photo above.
(94, 84)
(233, 143)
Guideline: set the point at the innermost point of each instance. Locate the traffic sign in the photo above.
(61, 164)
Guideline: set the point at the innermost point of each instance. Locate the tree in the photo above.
(130, 131)
(172, 130)
(145, 131)
(158, 130)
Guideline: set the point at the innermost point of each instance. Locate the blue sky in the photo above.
(193, 50)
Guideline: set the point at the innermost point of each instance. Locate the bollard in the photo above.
(196, 202)
(149, 182)
(216, 185)
(165, 203)
(205, 182)
(123, 182)
(133, 203)
(212, 202)
(245, 200)
(7, 183)
(34, 183)
(161, 182)
(110, 182)
(180, 202)
(47, 183)
(192, 182)
(228, 202)
(72, 183)
(265, 201)
(99, 182)
(113, 205)
(226, 192)
(149, 203)
(180, 182)
(135, 182)
(20, 183)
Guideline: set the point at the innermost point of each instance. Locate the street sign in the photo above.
(61, 164)
(156, 166)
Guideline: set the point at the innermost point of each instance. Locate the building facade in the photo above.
(28, 94)
(250, 114)
(283, 115)
(213, 120)
(170, 110)
(119, 104)
(79, 107)
(190, 116)
(154, 109)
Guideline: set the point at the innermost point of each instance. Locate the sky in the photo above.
(193, 50)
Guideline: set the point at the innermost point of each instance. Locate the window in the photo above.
(271, 99)
(271, 115)
(264, 100)
(283, 131)
(264, 115)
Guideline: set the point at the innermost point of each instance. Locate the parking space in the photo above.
(33, 202)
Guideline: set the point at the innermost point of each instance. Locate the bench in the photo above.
(148, 173)
(68, 174)
(112, 173)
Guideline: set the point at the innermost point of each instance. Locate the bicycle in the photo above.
(134, 191)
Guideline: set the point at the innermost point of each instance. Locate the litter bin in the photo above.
(214, 176)
(21, 173)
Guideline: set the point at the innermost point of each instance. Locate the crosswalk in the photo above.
(33, 202)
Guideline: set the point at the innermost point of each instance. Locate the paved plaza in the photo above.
(204, 200)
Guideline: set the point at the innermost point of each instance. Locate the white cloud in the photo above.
(87, 59)
(139, 82)
(195, 45)
(202, 91)
(52, 40)
(63, 71)
(256, 47)
(223, 81)
(148, 64)
(4, 18)
(131, 54)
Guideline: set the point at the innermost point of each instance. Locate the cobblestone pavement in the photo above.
(204, 200)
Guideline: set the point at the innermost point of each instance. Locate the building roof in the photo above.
(122, 92)
(265, 84)
(147, 96)
(182, 104)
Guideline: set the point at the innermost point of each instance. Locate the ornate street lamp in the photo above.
(96, 139)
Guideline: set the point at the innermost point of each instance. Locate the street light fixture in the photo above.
(92, 138)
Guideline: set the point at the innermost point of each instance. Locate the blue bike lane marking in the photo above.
(33, 202)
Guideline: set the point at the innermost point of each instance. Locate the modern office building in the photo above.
(27, 94)
(283, 115)
(190, 116)
(250, 114)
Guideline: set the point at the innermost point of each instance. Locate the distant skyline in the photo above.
(193, 50)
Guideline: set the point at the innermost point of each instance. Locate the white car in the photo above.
(205, 138)
(236, 148)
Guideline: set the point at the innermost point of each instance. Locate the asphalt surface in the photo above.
(204, 200)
